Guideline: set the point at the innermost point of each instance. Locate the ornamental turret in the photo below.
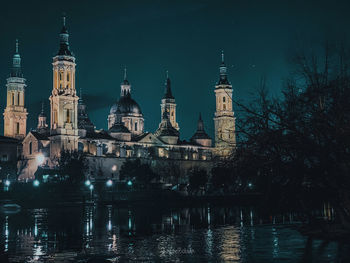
(224, 120)
(168, 104)
(15, 114)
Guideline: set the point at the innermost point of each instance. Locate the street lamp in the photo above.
(7, 182)
(87, 183)
(36, 183)
(109, 183)
(129, 183)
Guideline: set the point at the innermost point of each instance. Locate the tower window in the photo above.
(67, 76)
(60, 76)
(135, 126)
(224, 99)
(68, 116)
(30, 148)
(18, 99)
(17, 128)
(13, 99)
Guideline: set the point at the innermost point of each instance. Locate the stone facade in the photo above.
(71, 129)
(15, 114)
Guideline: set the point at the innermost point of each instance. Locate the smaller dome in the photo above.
(113, 109)
(118, 128)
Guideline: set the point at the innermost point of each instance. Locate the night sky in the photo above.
(150, 37)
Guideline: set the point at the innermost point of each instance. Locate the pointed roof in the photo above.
(16, 70)
(64, 40)
(42, 113)
(125, 81)
(165, 127)
(223, 80)
(168, 94)
(200, 133)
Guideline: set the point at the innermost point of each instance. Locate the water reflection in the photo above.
(199, 234)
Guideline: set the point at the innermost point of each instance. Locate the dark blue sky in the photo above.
(150, 37)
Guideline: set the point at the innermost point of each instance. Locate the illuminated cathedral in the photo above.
(70, 128)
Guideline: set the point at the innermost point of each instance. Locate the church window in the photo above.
(68, 116)
(60, 76)
(135, 126)
(17, 127)
(30, 148)
(224, 99)
(13, 99)
(18, 99)
(67, 76)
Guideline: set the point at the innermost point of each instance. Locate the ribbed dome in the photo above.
(113, 109)
(128, 105)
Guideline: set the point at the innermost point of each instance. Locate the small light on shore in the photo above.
(109, 183)
(91, 187)
(129, 183)
(87, 182)
(7, 182)
(36, 183)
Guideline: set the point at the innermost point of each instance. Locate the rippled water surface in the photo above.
(152, 234)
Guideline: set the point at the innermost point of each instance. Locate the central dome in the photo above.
(126, 105)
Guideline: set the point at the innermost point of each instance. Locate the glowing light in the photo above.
(109, 183)
(114, 168)
(7, 182)
(250, 185)
(87, 182)
(36, 183)
(129, 183)
(91, 187)
(40, 159)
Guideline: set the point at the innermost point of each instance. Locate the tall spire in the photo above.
(16, 63)
(223, 71)
(42, 113)
(125, 81)
(64, 36)
(168, 94)
(200, 124)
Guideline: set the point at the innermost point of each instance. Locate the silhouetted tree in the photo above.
(137, 172)
(72, 166)
(198, 179)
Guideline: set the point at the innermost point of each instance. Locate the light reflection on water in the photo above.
(202, 234)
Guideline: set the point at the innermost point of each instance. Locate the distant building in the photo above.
(71, 128)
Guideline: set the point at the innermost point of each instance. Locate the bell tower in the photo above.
(15, 115)
(224, 120)
(168, 104)
(63, 99)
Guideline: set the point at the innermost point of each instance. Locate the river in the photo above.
(160, 234)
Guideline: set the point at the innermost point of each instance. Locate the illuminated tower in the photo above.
(224, 120)
(15, 115)
(168, 104)
(63, 99)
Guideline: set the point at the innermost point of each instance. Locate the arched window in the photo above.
(30, 148)
(67, 76)
(223, 99)
(13, 99)
(17, 127)
(68, 116)
(18, 99)
(135, 126)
